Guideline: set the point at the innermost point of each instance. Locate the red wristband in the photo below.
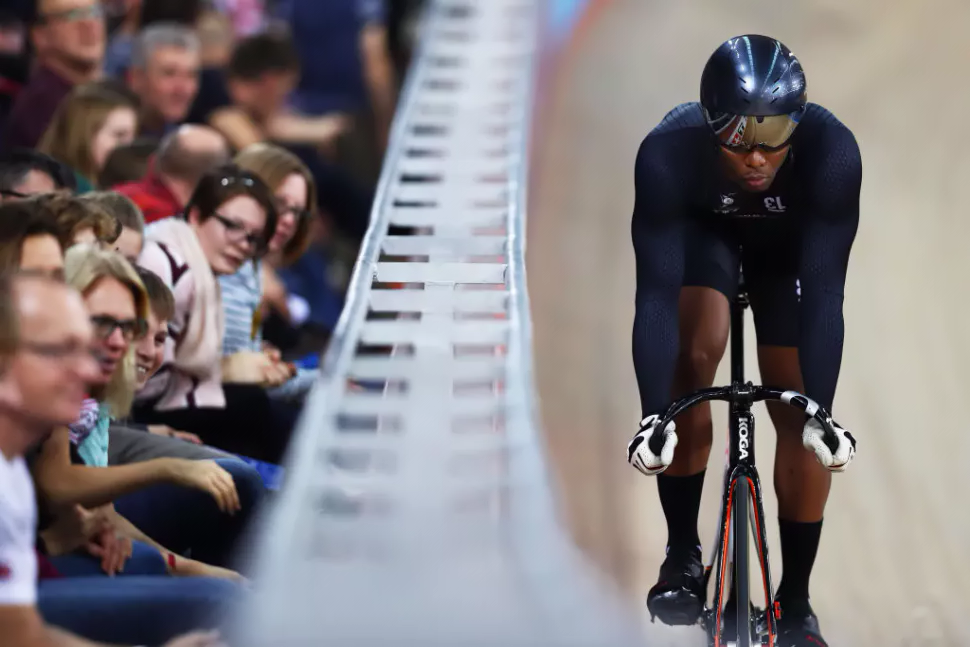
(171, 561)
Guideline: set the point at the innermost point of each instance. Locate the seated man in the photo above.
(46, 363)
(183, 157)
(164, 73)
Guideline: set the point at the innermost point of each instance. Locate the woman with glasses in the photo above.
(184, 517)
(256, 290)
(227, 223)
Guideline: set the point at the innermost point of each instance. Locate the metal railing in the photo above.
(417, 508)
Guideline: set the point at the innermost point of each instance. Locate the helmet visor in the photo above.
(741, 132)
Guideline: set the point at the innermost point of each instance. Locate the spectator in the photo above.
(79, 221)
(29, 240)
(164, 73)
(127, 163)
(256, 289)
(35, 314)
(127, 213)
(72, 466)
(129, 441)
(93, 120)
(25, 173)
(230, 219)
(346, 68)
(68, 38)
(183, 157)
(262, 72)
(139, 14)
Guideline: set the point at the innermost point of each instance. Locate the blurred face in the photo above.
(265, 96)
(129, 244)
(34, 183)
(232, 235)
(753, 170)
(71, 31)
(150, 350)
(111, 311)
(292, 198)
(54, 366)
(42, 254)
(119, 128)
(168, 84)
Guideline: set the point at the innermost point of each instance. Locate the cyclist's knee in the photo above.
(699, 359)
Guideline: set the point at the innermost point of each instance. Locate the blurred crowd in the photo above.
(184, 185)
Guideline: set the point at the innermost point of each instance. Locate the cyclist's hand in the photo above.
(642, 457)
(813, 437)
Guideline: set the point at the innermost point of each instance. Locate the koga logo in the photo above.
(743, 437)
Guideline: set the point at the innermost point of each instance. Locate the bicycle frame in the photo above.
(742, 493)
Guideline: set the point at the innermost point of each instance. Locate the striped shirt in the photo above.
(242, 293)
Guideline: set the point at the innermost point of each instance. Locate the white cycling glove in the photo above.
(642, 457)
(813, 439)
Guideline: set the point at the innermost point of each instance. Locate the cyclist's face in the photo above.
(753, 169)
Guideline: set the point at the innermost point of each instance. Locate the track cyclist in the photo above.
(752, 176)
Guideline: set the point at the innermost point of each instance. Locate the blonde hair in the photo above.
(84, 266)
(273, 165)
(77, 120)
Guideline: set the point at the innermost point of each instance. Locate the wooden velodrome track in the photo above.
(893, 567)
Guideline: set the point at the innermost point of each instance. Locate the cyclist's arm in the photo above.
(658, 244)
(829, 233)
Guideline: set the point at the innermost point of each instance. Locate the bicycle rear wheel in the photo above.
(742, 499)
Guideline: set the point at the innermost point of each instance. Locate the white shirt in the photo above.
(18, 523)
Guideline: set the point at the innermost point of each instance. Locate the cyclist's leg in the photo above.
(710, 277)
(705, 319)
(801, 484)
(710, 281)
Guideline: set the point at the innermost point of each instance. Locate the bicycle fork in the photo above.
(741, 503)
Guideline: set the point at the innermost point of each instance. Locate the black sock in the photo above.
(680, 497)
(799, 545)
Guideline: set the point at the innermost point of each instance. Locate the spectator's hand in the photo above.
(209, 477)
(197, 639)
(105, 542)
(280, 371)
(165, 430)
(251, 367)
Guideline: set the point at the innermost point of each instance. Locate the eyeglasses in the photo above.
(131, 329)
(238, 233)
(91, 12)
(59, 351)
(298, 214)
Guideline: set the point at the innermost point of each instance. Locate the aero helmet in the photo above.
(753, 92)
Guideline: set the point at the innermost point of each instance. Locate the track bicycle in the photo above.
(742, 491)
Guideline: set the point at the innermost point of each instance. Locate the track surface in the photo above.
(893, 566)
